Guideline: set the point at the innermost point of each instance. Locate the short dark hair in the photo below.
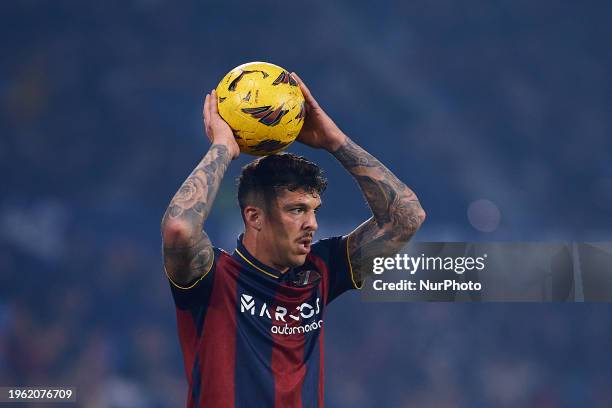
(262, 179)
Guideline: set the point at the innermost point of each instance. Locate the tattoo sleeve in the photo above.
(188, 252)
(396, 211)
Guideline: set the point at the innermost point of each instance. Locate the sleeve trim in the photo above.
(176, 285)
(348, 258)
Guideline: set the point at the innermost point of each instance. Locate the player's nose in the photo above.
(311, 222)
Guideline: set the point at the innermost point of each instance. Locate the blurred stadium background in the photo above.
(496, 113)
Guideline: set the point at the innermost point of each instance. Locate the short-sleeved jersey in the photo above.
(253, 336)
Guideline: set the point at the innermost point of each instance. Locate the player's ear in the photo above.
(253, 217)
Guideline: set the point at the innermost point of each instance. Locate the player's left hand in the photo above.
(319, 130)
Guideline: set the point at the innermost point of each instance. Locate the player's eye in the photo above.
(296, 210)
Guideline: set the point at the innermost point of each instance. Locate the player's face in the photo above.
(290, 225)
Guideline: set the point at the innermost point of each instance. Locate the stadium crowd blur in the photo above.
(496, 113)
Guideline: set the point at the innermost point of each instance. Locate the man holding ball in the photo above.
(251, 322)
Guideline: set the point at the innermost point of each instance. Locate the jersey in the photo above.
(253, 336)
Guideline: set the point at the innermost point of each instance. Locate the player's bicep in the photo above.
(369, 241)
(188, 261)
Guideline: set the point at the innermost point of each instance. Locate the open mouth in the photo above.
(304, 245)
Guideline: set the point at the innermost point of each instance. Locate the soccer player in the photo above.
(251, 322)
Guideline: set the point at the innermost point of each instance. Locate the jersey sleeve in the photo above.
(196, 292)
(339, 277)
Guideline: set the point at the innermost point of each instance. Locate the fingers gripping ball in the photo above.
(263, 105)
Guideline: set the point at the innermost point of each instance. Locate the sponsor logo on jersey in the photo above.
(280, 314)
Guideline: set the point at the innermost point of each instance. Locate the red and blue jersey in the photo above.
(253, 336)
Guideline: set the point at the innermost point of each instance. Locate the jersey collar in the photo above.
(243, 256)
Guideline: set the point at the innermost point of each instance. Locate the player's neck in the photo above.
(259, 249)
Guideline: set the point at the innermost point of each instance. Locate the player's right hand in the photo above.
(217, 130)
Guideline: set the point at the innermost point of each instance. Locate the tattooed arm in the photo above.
(188, 252)
(396, 211)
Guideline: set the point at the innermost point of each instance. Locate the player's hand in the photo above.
(217, 130)
(319, 130)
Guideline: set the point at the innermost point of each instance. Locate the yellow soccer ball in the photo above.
(263, 105)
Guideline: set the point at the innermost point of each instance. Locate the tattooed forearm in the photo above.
(187, 249)
(397, 213)
(194, 199)
(392, 203)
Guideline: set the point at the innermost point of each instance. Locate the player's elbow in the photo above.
(421, 215)
(175, 232)
(412, 219)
